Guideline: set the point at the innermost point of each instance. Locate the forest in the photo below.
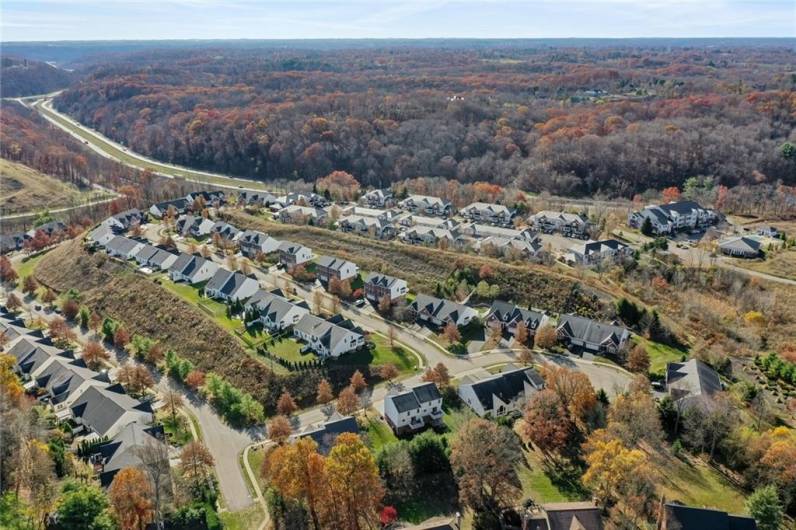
(579, 120)
(23, 77)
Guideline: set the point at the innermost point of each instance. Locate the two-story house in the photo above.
(508, 316)
(667, 219)
(328, 267)
(413, 409)
(484, 212)
(292, 254)
(377, 286)
(378, 198)
(328, 338)
(274, 311)
(596, 252)
(194, 225)
(174, 206)
(500, 394)
(252, 243)
(567, 224)
(439, 312)
(426, 205)
(591, 336)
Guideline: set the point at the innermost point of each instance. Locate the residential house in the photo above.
(64, 380)
(377, 286)
(175, 206)
(302, 199)
(192, 269)
(124, 450)
(33, 354)
(292, 254)
(367, 226)
(124, 221)
(583, 515)
(692, 383)
(12, 242)
(256, 198)
(295, 214)
(596, 252)
(378, 198)
(274, 311)
(409, 220)
(431, 237)
(51, 228)
(741, 247)
(484, 212)
(500, 394)
(101, 235)
(413, 409)
(161, 260)
(439, 312)
(769, 231)
(123, 247)
(427, 205)
(509, 248)
(328, 338)
(508, 316)
(328, 267)
(226, 231)
(594, 337)
(231, 286)
(144, 253)
(482, 231)
(566, 224)
(210, 198)
(106, 411)
(194, 225)
(675, 516)
(326, 432)
(667, 219)
(252, 243)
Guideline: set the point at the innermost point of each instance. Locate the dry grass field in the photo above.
(23, 189)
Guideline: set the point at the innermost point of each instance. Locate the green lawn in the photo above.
(543, 484)
(378, 432)
(256, 458)
(289, 349)
(660, 354)
(697, 484)
(178, 432)
(245, 519)
(381, 353)
(26, 266)
(215, 309)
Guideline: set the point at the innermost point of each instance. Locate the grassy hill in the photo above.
(145, 308)
(23, 189)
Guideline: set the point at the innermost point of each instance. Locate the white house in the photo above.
(194, 225)
(328, 338)
(176, 206)
(192, 269)
(123, 247)
(427, 205)
(231, 286)
(484, 212)
(500, 394)
(594, 252)
(413, 409)
(567, 224)
(253, 242)
(292, 254)
(666, 219)
(379, 285)
(274, 311)
(377, 198)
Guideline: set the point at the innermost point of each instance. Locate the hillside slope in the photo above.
(24, 189)
(23, 77)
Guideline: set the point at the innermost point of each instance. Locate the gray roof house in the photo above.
(377, 198)
(426, 204)
(123, 247)
(225, 230)
(328, 338)
(192, 269)
(124, 450)
(592, 336)
(412, 409)
(439, 312)
(673, 217)
(378, 285)
(328, 267)
(692, 382)
(508, 316)
(275, 312)
(177, 206)
(497, 214)
(292, 254)
(509, 247)
(194, 225)
(231, 286)
(162, 259)
(106, 411)
(740, 247)
(325, 433)
(259, 198)
(673, 516)
(101, 235)
(500, 394)
(64, 380)
(594, 252)
(565, 516)
(567, 224)
(253, 242)
(123, 221)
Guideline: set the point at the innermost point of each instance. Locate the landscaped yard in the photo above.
(660, 354)
(543, 484)
(289, 349)
(381, 353)
(697, 484)
(378, 432)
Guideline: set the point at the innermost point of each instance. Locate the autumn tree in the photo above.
(94, 354)
(48, 296)
(354, 483)
(121, 337)
(29, 285)
(324, 394)
(13, 303)
(438, 375)
(154, 462)
(130, 494)
(385, 304)
(279, 429)
(195, 379)
(136, 378)
(547, 424)
(35, 478)
(347, 401)
(574, 390)
(525, 356)
(545, 337)
(358, 382)
(298, 472)
(285, 405)
(670, 194)
(388, 372)
(633, 417)
(7, 272)
(638, 360)
(70, 309)
(340, 185)
(484, 458)
(451, 333)
(173, 401)
(521, 333)
(95, 322)
(195, 462)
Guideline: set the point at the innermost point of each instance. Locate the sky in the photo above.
(45, 20)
